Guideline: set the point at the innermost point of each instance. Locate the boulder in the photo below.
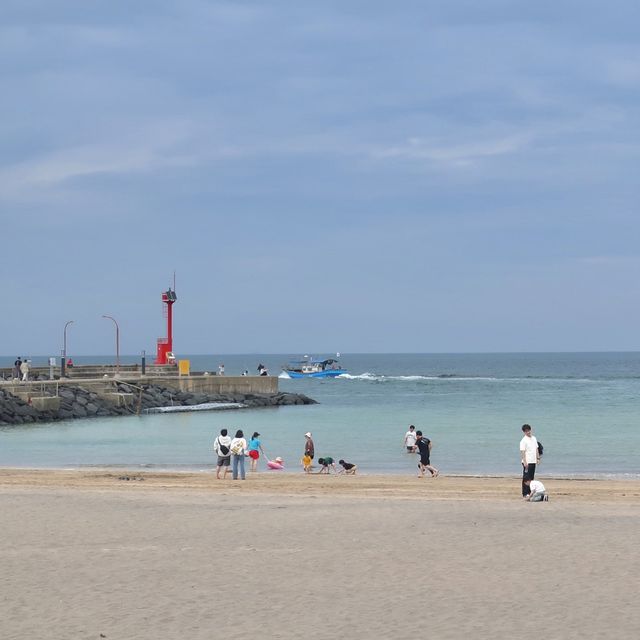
(79, 411)
(82, 399)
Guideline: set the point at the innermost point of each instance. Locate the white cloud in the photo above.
(454, 154)
(157, 146)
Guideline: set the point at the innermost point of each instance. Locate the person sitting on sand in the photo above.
(538, 492)
(307, 463)
(326, 464)
(348, 468)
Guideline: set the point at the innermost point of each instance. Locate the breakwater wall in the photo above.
(52, 401)
(195, 382)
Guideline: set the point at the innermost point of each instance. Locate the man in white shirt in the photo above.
(538, 492)
(529, 457)
(410, 439)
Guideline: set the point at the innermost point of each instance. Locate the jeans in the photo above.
(237, 461)
(530, 472)
(537, 497)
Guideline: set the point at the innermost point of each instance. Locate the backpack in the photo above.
(238, 449)
(540, 448)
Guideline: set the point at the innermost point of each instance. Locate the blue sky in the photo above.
(323, 176)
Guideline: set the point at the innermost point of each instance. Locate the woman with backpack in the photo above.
(222, 447)
(238, 448)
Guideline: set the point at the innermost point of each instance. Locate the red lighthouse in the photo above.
(165, 345)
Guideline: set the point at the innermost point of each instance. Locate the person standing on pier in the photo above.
(16, 368)
(24, 368)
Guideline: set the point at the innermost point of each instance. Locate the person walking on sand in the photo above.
(222, 447)
(423, 444)
(24, 368)
(238, 450)
(529, 457)
(309, 448)
(410, 440)
(255, 448)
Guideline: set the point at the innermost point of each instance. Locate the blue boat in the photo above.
(312, 368)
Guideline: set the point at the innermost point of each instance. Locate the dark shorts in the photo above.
(424, 460)
(224, 461)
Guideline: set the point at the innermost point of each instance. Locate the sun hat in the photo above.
(308, 434)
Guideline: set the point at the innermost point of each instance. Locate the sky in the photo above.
(412, 176)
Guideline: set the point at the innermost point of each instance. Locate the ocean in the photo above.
(584, 408)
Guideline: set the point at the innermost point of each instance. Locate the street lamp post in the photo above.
(117, 342)
(63, 364)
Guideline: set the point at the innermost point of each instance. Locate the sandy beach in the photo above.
(166, 555)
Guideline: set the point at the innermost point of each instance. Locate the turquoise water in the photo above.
(584, 407)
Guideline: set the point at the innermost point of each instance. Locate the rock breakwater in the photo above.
(79, 402)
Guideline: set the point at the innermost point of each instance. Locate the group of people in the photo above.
(327, 463)
(262, 370)
(21, 369)
(530, 451)
(232, 452)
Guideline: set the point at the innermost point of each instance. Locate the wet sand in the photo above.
(289, 556)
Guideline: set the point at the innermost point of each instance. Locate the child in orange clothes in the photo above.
(306, 463)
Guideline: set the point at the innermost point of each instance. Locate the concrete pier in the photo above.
(97, 375)
(46, 400)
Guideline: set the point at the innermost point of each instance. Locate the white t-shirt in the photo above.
(536, 486)
(529, 445)
(410, 439)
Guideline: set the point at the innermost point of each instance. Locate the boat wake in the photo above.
(412, 378)
(448, 377)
